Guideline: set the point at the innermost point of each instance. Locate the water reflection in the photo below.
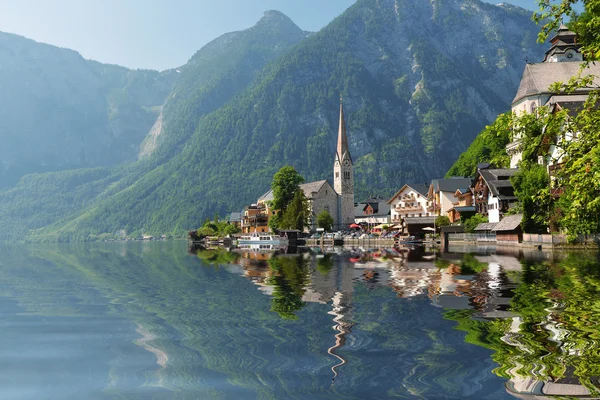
(148, 320)
(539, 316)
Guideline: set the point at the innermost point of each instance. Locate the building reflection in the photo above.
(529, 312)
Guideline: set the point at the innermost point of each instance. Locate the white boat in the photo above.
(262, 238)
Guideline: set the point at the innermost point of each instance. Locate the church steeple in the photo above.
(342, 142)
(564, 46)
(343, 176)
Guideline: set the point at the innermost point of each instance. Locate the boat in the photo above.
(408, 240)
(262, 238)
(260, 247)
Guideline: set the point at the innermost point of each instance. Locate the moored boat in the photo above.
(262, 238)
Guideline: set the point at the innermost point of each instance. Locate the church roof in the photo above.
(312, 187)
(537, 78)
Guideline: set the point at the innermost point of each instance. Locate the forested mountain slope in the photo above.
(213, 76)
(420, 80)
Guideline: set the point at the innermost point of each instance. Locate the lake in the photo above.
(156, 320)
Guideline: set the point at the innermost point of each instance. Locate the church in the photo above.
(337, 200)
(563, 61)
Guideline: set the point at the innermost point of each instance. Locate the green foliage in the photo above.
(471, 223)
(296, 214)
(531, 185)
(218, 228)
(488, 146)
(285, 185)
(325, 220)
(470, 265)
(442, 220)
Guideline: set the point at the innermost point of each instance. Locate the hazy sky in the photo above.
(157, 34)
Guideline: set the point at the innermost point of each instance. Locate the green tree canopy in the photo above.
(325, 220)
(285, 184)
(471, 223)
(442, 220)
(296, 214)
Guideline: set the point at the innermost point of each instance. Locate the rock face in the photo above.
(420, 79)
(60, 111)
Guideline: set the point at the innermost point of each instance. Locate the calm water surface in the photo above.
(153, 321)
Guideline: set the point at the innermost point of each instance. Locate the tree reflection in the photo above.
(290, 278)
(552, 339)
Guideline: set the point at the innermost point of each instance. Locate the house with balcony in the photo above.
(255, 219)
(409, 202)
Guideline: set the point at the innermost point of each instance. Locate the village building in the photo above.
(255, 219)
(509, 231)
(410, 201)
(493, 191)
(372, 211)
(464, 207)
(562, 62)
(442, 194)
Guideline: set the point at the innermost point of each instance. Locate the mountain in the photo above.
(218, 71)
(419, 79)
(60, 111)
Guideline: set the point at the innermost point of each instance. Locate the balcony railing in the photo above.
(409, 209)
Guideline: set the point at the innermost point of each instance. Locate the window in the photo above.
(337, 174)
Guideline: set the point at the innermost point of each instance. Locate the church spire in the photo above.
(342, 144)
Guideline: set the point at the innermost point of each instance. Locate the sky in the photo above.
(155, 34)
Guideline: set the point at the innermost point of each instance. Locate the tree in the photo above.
(471, 223)
(325, 220)
(531, 185)
(286, 183)
(296, 214)
(442, 220)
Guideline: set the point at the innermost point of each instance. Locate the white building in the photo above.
(409, 201)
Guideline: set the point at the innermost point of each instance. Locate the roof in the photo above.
(312, 187)
(485, 226)
(451, 184)
(499, 178)
(452, 229)
(419, 220)
(307, 188)
(463, 209)
(508, 223)
(380, 209)
(235, 217)
(420, 188)
(266, 197)
(537, 78)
